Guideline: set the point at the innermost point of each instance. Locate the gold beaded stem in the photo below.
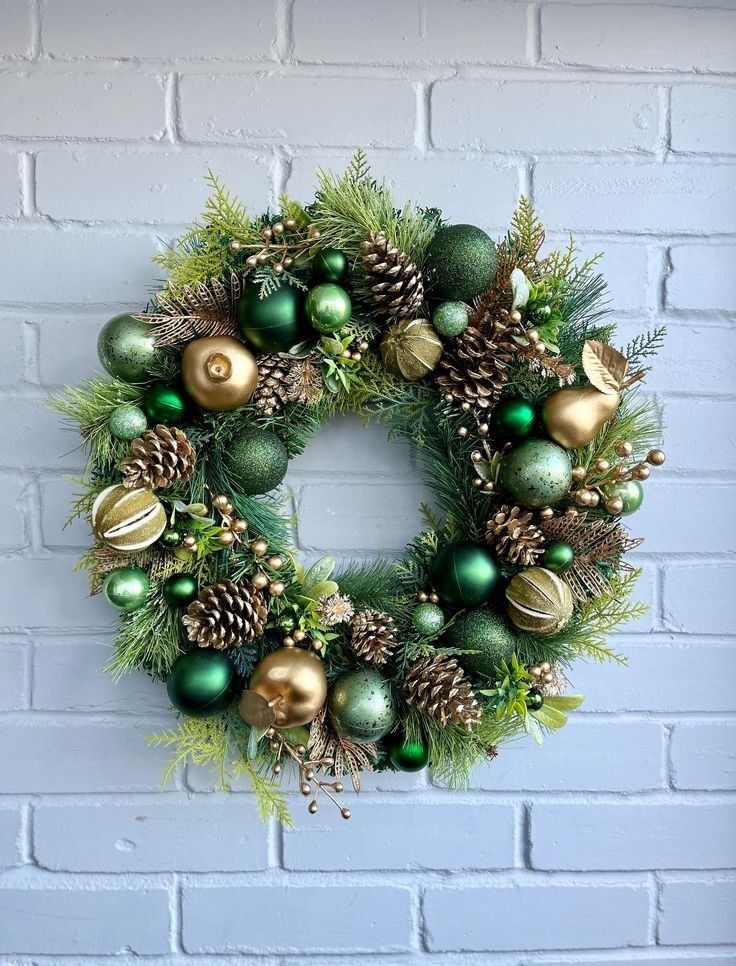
(309, 782)
(286, 251)
(592, 479)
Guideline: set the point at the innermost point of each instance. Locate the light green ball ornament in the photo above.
(536, 473)
(485, 632)
(464, 574)
(330, 265)
(513, 419)
(126, 422)
(558, 556)
(271, 324)
(461, 261)
(450, 319)
(257, 461)
(164, 404)
(126, 589)
(125, 347)
(631, 492)
(328, 308)
(428, 619)
(362, 707)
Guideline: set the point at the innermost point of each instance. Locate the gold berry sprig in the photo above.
(592, 480)
(282, 244)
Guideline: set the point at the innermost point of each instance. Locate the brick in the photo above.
(702, 119)
(390, 837)
(9, 837)
(634, 197)
(52, 607)
(694, 531)
(12, 675)
(88, 29)
(704, 756)
(15, 40)
(84, 921)
(67, 350)
(45, 104)
(28, 420)
(151, 187)
(624, 266)
(700, 278)
(694, 911)
(214, 920)
(689, 427)
(78, 757)
(697, 598)
(371, 453)
(305, 110)
(9, 185)
(12, 523)
(621, 35)
(586, 755)
(528, 917)
(195, 837)
(56, 505)
(629, 836)
(11, 332)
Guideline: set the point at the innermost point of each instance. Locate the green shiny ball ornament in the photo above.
(330, 265)
(513, 419)
(407, 755)
(172, 537)
(202, 683)
(328, 308)
(461, 261)
(631, 492)
(126, 589)
(450, 319)
(536, 473)
(164, 404)
(125, 347)
(257, 461)
(487, 634)
(534, 699)
(271, 324)
(428, 619)
(464, 574)
(362, 706)
(126, 422)
(558, 556)
(180, 589)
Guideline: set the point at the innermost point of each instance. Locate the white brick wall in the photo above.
(613, 844)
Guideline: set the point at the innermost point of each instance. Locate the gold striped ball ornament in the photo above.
(538, 601)
(411, 348)
(128, 520)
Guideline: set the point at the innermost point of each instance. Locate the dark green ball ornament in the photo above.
(202, 683)
(125, 347)
(180, 589)
(558, 556)
(534, 699)
(361, 706)
(461, 261)
(513, 419)
(631, 492)
(271, 324)
(407, 755)
(172, 537)
(328, 308)
(428, 619)
(450, 319)
(164, 404)
(485, 632)
(536, 473)
(330, 265)
(126, 589)
(126, 422)
(257, 461)
(464, 574)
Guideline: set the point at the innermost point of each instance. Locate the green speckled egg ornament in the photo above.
(407, 755)
(271, 324)
(558, 556)
(164, 404)
(464, 574)
(513, 419)
(461, 261)
(126, 589)
(630, 492)
(125, 347)
(257, 461)
(361, 706)
(127, 421)
(428, 619)
(180, 589)
(330, 265)
(450, 319)
(202, 683)
(328, 308)
(536, 473)
(485, 632)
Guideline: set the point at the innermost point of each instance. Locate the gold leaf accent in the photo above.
(604, 366)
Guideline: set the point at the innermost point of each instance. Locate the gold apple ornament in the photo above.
(573, 416)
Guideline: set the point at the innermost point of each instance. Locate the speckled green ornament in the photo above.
(127, 421)
(631, 492)
(202, 683)
(536, 473)
(328, 308)
(180, 589)
(450, 319)
(513, 419)
(257, 461)
(464, 574)
(271, 324)
(361, 706)
(486, 632)
(461, 261)
(125, 347)
(126, 589)
(558, 556)
(428, 619)
(164, 404)
(330, 265)
(407, 755)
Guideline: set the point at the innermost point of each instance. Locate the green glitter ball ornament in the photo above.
(631, 492)
(485, 632)
(558, 556)
(428, 619)
(461, 261)
(180, 589)
(536, 473)
(328, 308)
(271, 324)
(450, 319)
(126, 589)
(330, 265)
(202, 683)
(164, 404)
(407, 755)
(257, 461)
(513, 419)
(464, 574)
(362, 707)
(125, 347)
(127, 421)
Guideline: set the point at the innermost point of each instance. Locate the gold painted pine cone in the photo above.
(438, 687)
(394, 281)
(515, 536)
(226, 614)
(374, 636)
(475, 369)
(158, 459)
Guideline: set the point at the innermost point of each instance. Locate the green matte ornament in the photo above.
(361, 706)
(450, 319)
(558, 556)
(428, 619)
(164, 404)
(487, 634)
(328, 308)
(513, 419)
(202, 683)
(126, 589)
(126, 422)
(534, 699)
(407, 755)
(257, 461)
(330, 265)
(172, 537)
(536, 473)
(631, 492)
(271, 324)
(126, 348)
(461, 261)
(180, 589)
(464, 574)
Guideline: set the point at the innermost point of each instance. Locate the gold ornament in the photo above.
(538, 601)
(127, 520)
(411, 348)
(287, 688)
(219, 372)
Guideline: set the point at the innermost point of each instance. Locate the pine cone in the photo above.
(226, 614)
(395, 283)
(305, 382)
(438, 686)
(374, 636)
(474, 370)
(515, 536)
(159, 458)
(272, 389)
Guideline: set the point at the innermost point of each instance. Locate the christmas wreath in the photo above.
(494, 361)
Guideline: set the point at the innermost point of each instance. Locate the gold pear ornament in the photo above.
(573, 416)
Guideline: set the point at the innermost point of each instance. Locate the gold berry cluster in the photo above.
(282, 244)
(592, 480)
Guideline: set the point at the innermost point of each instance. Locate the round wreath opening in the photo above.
(495, 361)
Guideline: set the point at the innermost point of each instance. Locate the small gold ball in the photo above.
(305, 789)
(235, 245)
(641, 472)
(465, 406)
(545, 666)
(579, 473)
(477, 482)
(434, 599)
(275, 562)
(339, 787)
(363, 346)
(601, 466)
(655, 457)
(298, 635)
(312, 808)
(476, 456)
(189, 542)
(533, 336)
(239, 526)
(594, 498)
(624, 448)
(288, 261)
(267, 234)
(422, 597)
(313, 232)
(261, 258)
(288, 641)
(584, 498)
(301, 749)
(462, 432)
(548, 678)
(309, 773)
(225, 537)
(251, 261)
(317, 645)
(273, 745)
(539, 348)
(346, 813)
(515, 316)
(546, 513)
(278, 269)
(259, 547)
(276, 769)
(615, 505)
(290, 223)
(535, 671)
(278, 228)
(220, 501)
(276, 588)
(259, 581)
(356, 356)
(488, 487)
(346, 354)
(483, 429)
(448, 397)
(571, 512)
